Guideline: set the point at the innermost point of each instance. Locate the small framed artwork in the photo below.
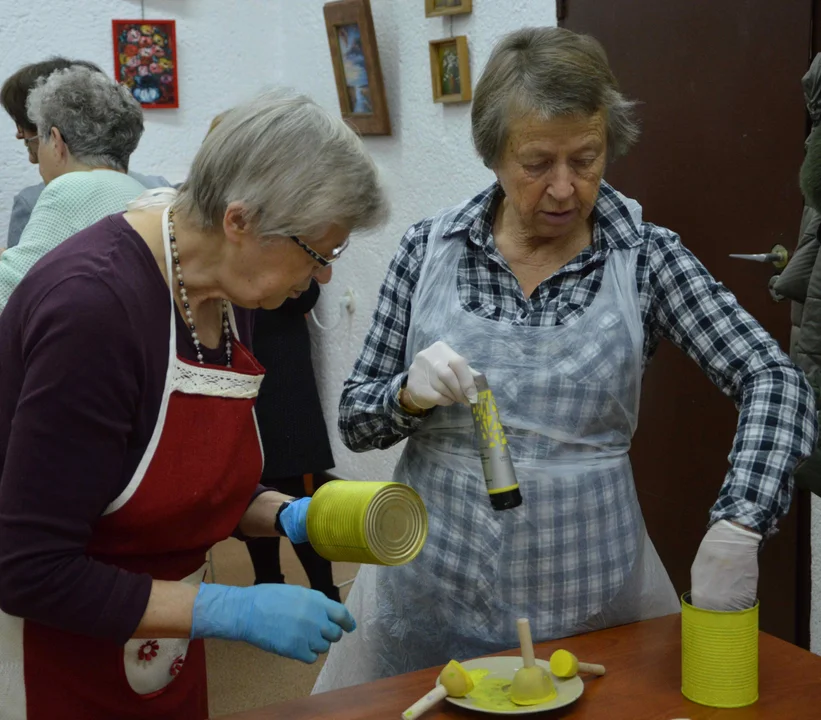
(450, 70)
(434, 8)
(355, 59)
(145, 61)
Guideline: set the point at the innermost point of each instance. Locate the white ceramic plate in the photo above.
(504, 667)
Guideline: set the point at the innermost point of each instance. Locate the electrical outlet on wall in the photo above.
(349, 301)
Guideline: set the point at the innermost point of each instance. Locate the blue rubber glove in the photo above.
(288, 620)
(293, 520)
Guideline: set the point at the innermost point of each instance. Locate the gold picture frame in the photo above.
(450, 70)
(358, 74)
(437, 8)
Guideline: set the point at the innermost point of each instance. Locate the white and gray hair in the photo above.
(550, 72)
(99, 120)
(295, 168)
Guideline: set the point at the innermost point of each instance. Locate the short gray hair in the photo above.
(99, 120)
(551, 72)
(295, 168)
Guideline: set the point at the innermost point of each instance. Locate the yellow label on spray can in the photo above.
(497, 466)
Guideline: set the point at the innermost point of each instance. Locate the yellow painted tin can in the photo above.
(719, 656)
(376, 523)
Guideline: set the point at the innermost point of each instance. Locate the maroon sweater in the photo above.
(83, 360)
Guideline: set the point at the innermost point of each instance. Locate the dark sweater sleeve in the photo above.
(64, 463)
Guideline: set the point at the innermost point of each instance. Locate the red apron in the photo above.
(190, 491)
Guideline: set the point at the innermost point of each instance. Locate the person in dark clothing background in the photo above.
(294, 435)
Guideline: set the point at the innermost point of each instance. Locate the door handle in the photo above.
(778, 256)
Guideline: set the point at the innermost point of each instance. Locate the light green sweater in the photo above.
(69, 203)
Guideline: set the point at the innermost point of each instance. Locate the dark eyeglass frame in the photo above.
(321, 259)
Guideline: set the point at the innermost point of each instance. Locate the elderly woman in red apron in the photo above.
(128, 442)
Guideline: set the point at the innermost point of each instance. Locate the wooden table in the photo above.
(643, 682)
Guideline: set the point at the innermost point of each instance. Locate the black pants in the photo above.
(264, 552)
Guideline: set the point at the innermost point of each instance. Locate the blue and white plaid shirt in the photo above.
(679, 301)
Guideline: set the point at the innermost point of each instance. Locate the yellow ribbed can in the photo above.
(376, 523)
(719, 656)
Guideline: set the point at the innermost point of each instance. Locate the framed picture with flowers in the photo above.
(145, 61)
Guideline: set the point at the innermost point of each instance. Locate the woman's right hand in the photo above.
(288, 620)
(440, 376)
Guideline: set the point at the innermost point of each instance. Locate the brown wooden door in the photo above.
(724, 123)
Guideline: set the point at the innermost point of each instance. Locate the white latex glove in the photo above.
(724, 575)
(440, 376)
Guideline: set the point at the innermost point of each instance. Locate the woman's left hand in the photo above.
(293, 520)
(289, 620)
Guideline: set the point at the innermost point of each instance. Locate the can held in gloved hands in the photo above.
(497, 466)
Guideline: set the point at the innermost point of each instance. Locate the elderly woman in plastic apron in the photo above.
(575, 556)
(549, 284)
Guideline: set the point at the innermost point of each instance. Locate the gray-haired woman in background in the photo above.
(128, 444)
(87, 128)
(550, 284)
(13, 97)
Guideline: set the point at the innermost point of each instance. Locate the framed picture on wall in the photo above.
(434, 8)
(145, 61)
(355, 59)
(450, 70)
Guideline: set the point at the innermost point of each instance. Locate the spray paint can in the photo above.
(497, 465)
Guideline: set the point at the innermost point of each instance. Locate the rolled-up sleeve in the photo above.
(369, 412)
(777, 425)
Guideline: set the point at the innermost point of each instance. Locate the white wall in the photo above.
(428, 163)
(227, 51)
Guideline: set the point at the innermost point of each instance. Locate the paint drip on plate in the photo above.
(491, 693)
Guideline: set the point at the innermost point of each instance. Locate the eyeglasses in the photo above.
(321, 259)
(31, 141)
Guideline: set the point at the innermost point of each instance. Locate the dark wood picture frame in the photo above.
(463, 8)
(371, 117)
(440, 94)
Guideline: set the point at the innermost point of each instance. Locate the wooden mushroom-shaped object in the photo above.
(454, 681)
(564, 664)
(531, 685)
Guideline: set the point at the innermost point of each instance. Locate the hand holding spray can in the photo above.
(497, 466)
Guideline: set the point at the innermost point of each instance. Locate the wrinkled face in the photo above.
(551, 170)
(264, 273)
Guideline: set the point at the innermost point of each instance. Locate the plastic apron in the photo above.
(575, 556)
(190, 490)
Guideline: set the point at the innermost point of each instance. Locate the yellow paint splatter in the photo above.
(486, 412)
(493, 694)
